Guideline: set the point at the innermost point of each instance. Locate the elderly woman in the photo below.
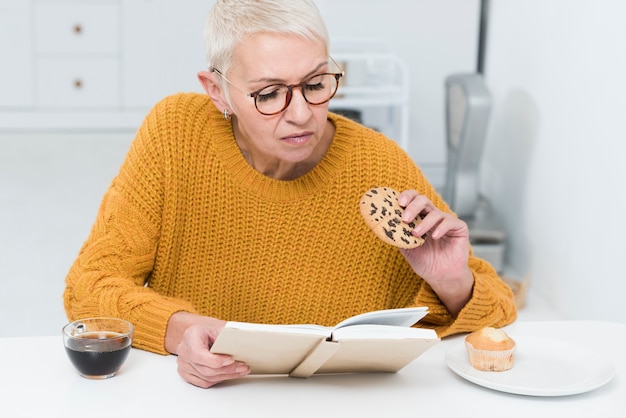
(243, 204)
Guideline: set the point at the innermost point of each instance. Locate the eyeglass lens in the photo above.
(316, 90)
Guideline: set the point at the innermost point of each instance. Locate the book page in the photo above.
(401, 317)
(282, 328)
(383, 332)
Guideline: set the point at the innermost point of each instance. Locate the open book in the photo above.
(379, 341)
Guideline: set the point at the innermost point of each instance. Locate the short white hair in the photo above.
(229, 21)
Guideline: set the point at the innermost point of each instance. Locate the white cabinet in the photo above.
(87, 27)
(76, 53)
(16, 66)
(77, 83)
(95, 64)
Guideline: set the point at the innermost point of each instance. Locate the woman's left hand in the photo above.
(442, 260)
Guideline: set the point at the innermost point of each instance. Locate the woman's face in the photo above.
(299, 133)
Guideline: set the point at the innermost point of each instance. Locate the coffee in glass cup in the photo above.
(98, 347)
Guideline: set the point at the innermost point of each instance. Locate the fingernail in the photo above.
(242, 369)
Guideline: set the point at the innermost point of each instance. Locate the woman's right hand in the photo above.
(192, 336)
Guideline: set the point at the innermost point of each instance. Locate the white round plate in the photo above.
(542, 367)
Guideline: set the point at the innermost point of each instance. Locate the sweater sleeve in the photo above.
(492, 304)
(110, 274)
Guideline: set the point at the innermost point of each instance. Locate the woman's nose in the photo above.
(298, 108)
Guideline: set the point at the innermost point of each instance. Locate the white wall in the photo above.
(50, 189)
(554, 156)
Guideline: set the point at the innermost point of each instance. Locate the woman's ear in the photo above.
(213, 88)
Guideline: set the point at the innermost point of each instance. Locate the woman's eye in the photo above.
(269, 93)
(317, 86)
(266, 96)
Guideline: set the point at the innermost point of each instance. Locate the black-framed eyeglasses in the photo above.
(275, 98)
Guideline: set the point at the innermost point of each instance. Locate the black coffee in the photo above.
(98, 353)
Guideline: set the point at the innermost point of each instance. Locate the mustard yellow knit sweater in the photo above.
(188, 225)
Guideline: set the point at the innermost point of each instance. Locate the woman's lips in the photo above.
(299, 138)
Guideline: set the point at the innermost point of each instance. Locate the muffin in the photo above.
(490, 350)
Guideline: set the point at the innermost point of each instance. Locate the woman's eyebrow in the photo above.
(278, 80)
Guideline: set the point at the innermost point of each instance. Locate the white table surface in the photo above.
(38, 380)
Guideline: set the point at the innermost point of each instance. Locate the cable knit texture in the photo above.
(188, 225)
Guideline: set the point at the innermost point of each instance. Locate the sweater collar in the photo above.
(256, 183)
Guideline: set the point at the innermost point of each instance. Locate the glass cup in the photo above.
(98, 347)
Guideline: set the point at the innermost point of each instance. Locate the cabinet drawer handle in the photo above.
(78, 84)
(78, 29)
